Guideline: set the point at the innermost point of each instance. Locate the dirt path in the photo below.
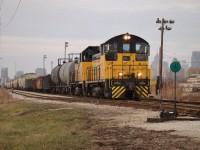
(123, 128)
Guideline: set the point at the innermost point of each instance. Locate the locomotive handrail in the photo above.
(92, 73)
(129, 68)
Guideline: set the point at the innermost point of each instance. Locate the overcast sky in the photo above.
(43, 26)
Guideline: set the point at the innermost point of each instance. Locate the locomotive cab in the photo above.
(82, 69)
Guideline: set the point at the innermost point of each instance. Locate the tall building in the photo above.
(184, 67)
(195, 60)
(40, 71)
(155, 68)
(4, 75)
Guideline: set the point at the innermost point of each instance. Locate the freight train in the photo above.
(117, 69)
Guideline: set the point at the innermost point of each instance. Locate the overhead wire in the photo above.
(14, 13)
(1, 5)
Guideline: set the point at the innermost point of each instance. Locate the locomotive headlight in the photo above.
(139, 74)
(120, 74)
(127, 37)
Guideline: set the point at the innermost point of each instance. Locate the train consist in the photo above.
(117, 69)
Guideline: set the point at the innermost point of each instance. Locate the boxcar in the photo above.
(39, 83)
(22, 79)
(46, 83)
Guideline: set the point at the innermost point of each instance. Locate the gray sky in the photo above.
(43, 26)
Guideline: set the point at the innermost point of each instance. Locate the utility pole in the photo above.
(163, 27)
(51, 65)
(44, 56)
(66, 45)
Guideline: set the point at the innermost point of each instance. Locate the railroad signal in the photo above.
(175, 67)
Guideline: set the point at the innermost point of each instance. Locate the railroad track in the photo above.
(183, 108)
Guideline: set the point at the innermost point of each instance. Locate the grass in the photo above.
(42, 126)
(181, 94)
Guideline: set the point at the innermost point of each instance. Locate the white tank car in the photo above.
(67, 72)
(55, 75)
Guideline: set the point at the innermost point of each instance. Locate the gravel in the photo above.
(124, 116)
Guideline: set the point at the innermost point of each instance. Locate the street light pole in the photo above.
(44, 56)
(66, 45)
(162, 28)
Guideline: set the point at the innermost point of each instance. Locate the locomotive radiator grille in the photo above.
(117, 91)
(142, 91)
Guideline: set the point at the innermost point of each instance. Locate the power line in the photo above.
(13, 14)
(168, 56)
(1, 5)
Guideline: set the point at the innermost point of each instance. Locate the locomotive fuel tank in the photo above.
(67, 71)
(55, 75)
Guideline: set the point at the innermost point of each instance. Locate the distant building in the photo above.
(184, 65)
(191, 71)
(40, 71)
(165, 70)
(184, 69)
(4, 75)
(155, 68)
(181, 75)
(195, 60)
(19, 73)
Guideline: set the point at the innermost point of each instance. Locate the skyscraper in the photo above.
(4, 75)
(195, 60)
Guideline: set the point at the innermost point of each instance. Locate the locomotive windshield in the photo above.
(141, 51)
(110, 51)
(126, 47)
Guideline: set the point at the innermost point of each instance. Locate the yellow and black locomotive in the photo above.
(117, 69)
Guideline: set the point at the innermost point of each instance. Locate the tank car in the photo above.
(55, 79)
(66, 72)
